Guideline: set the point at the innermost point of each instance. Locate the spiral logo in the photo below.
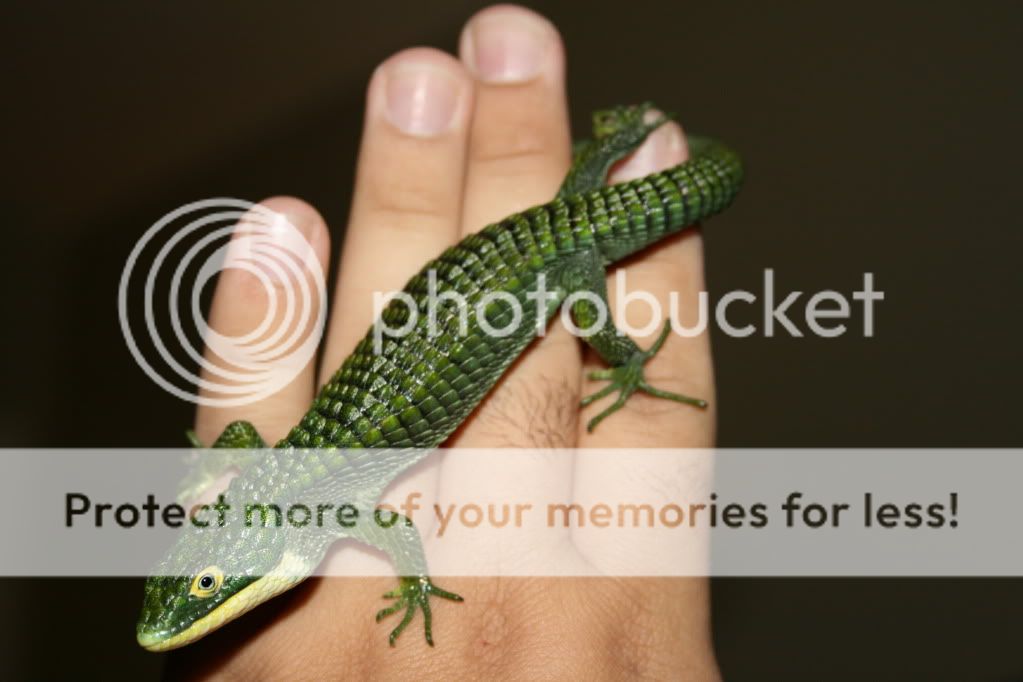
(217, 235)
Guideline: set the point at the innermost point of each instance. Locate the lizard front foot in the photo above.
(414, 592)
(628, 378)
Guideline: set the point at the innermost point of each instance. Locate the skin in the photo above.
(489, 136)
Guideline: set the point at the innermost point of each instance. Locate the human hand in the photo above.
(449, 146)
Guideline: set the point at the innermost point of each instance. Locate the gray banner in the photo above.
(811, 512)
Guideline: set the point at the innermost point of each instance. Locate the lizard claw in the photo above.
(414, 592)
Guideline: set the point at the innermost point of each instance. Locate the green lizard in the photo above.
(412, 395)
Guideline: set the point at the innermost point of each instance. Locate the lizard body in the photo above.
(420, 387)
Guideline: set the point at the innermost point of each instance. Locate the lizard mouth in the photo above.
(163, 640)
(154, 641)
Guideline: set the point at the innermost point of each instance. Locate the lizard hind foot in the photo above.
(628, 378)
(414, 593)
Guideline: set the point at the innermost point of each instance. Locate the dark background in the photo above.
(878, 137)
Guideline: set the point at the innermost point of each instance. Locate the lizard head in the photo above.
(210, 578)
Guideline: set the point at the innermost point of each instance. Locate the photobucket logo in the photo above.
(826, 314)
(217, 235)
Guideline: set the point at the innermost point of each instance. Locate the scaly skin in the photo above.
(416, 392)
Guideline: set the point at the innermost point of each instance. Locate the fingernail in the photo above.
(421, 99)
(507, 46)
(275, 243)
(665, 147)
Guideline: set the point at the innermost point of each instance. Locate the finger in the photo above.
(672, 271)
(242, 302)
(406, 209)
(408, 190)
(520, 147)
(518, 156)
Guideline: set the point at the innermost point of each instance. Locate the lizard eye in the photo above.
(207, 583)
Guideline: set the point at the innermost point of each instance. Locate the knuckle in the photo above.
(524, 145)
(411, 207)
